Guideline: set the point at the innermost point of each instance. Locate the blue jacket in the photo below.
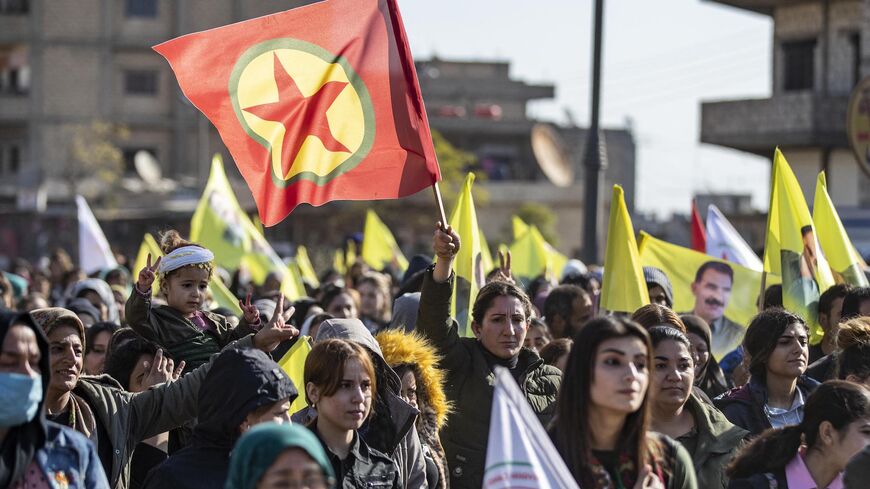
(68, 456)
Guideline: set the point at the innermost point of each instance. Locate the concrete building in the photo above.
(820, 52)
(68, 63)
(64, 63)
(478, 107)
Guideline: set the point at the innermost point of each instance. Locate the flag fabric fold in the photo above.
(468, 265)
(315, 104)
(699, 237)
(792, 247)
(623, 287)
(724, 242)
(306, 269)
(94, 251)
(379, 248)
(532, 255)
(519, 452)
(844, 260)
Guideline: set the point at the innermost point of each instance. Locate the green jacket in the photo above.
(132, 417)
(470, 382)
(716, 441)
(173, 332)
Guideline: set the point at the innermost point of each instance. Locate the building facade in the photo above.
(820, 52)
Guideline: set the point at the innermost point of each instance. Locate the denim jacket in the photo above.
(69, 460)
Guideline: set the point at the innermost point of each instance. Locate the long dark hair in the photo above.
(762, 336)
(836, 401)
(572, 425)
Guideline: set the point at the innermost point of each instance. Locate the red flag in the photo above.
(699, 235)
(315, 104)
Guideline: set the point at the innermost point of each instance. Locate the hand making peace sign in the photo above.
(147, 274)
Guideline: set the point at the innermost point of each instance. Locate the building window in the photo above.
(141, 8)
(14, 7)
(140, 82)
(14, 70)
(10, 159)
(799, 64)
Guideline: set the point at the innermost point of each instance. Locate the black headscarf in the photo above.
(22, 442)
(710, 379)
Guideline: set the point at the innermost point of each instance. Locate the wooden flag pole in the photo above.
(440, 204)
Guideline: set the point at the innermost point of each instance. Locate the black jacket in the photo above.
(744, 406)
(240, 381)
(364, 467)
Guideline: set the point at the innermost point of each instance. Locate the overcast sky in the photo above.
(661, 59)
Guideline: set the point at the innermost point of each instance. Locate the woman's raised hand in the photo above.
(445, 243)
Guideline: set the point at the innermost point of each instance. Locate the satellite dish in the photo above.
(550, 153)
(148, 168)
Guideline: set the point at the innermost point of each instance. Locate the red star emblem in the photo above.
(301, 116)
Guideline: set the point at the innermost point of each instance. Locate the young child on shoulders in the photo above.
(182, 327)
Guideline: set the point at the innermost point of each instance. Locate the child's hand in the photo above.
(276, 330)
(252, 315)
(147, 274)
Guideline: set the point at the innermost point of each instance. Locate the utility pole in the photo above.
(595, 156)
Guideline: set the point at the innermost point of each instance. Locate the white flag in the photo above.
(94, 251)
(520, 454)
(723, 241)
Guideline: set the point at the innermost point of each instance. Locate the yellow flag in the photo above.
(379, 248)
(350, 254)
(792, 247)
(305, 267)
(531, 256)
(293, 364)
(520, 227)
(485, 255)
(470, 273)
(220, 293)
(844, 261)
(221, 225)
(338, 263)
(681, 264)
(623, 287)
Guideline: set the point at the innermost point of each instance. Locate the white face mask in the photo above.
(20, 400)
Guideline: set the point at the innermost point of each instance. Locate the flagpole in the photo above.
(440, 203)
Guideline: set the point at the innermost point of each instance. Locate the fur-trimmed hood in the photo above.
(399, 347)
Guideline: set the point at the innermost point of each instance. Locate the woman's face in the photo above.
(19, 352)
(342, 306)
(371, 300)
(789, 358)
(293, 468)
(504, 327)
(66, 358)
(849, 441)
(95, 359)
(409, 388)
(620, 377)
(140, 371)
(535, 339)
(700, 352)
(673, 375)
(348, 407)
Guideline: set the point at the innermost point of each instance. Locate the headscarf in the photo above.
(258, 449)
(103, 290)
(81, 416)
(22, 442)
(184, 256)
(710, 379)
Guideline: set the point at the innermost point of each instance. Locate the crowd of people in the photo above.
(132, 379)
